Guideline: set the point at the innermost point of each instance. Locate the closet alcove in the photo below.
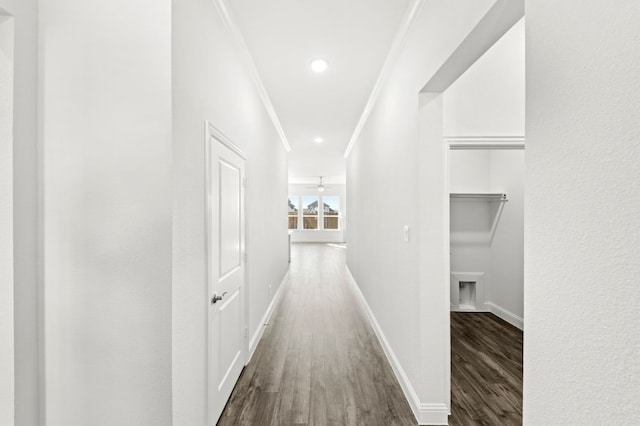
(486, 231)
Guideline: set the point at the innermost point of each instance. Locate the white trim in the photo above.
(255, 339)
(213, 131)
(244, 51)
(394, 51)
(485, 142)
(432, 414)
(446, 268)
(506, 315)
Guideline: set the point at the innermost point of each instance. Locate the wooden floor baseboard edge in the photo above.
(257, 335)
(506, 315)
(425, 414)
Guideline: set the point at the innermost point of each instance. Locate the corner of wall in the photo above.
(425, 413)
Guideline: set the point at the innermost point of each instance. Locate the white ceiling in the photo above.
(283, 36)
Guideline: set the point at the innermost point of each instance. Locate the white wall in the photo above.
(385, 188)
(434, 383)
(506, 288)
(114, 180)
(106, 132)
(489, 98)
(395, 178)
(25, 221)
(211, 82)
(469, 171)
(7, 373)
(322, 236)
(582, 234)
(470, 221)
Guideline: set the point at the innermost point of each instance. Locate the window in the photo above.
(304, 212)
(331, 212)
(294, 208)
(310, 212)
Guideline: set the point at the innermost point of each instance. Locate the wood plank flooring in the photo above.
(486, 370)
(319, 362)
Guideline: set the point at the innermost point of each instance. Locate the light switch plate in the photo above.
(406, 233)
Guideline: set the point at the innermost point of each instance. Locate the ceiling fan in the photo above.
(319, 187)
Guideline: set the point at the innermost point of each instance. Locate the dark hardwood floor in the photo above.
(319, 361)
(486, 370)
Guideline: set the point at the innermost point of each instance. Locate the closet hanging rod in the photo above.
(472, 196)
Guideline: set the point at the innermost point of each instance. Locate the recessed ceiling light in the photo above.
(319, 65)
(318, 140)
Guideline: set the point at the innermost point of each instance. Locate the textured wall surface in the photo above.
(582, 234)
(106, 134)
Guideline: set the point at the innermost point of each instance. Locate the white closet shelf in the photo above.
(478, 196)
(494, 201)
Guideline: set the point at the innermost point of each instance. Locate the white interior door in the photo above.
(226, 244)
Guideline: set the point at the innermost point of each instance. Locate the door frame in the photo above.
(215, 135)
(464, 143)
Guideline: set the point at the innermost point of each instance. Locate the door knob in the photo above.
(215, 297)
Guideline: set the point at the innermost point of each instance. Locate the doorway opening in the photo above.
(486, 246)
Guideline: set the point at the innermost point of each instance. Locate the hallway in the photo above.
(319, 362)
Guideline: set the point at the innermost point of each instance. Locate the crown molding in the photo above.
(244, 51)
(394, 51)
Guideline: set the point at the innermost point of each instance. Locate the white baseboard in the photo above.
(483, 308)
(255, 339)
(425, 414)
(506, 315)
(434, 414)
